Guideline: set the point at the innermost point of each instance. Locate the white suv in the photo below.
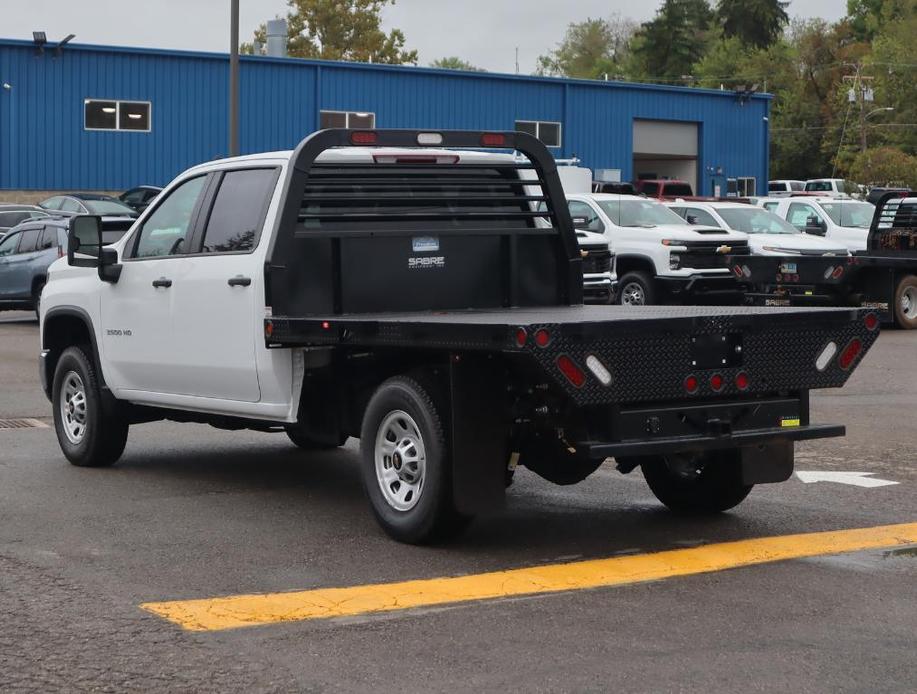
(658, 256)
(768, 234)
(843, 222)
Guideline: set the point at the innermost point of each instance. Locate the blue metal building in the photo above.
(107, 118)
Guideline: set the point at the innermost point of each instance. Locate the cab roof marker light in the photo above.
(826, 356)
(429, 138)
(493, 140)
(364, 137)
(598, 370)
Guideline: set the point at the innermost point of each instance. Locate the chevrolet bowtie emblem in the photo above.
(723, 250)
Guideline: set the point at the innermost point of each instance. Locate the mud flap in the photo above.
(766, 463)
(479, 435)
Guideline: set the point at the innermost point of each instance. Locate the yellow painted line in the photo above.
(232, 612)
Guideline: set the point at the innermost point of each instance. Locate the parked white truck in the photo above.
(659, 257)
(397, 286)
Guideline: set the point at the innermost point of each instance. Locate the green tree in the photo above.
(590, 49)
(667, 47)
(455, 63)
(347, 30)
(756, 23)
(884, 166)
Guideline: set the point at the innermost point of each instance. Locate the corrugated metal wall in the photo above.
(43, 144)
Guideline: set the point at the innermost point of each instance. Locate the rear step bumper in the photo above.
(737, 439)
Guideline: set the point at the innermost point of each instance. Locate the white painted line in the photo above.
(856, 479)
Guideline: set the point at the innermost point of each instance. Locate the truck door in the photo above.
(216, 291)
(136, 332)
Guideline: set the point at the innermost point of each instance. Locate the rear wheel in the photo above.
(906, 303)
(406, 466)
(701, 483)
(90, 433)
(636, 289)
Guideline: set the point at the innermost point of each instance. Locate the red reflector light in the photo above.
(364, 137)
(737, 270)
(521, 337)
(871, 321)
(850, 353)
(742, 381)
(716, 382)
(542, 337)
(326, 325)
(692, 384)
(838, 271)
(268, 328)
(493, 140)
(572, 372)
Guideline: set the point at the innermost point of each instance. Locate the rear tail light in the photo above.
(737, 270)
(850, 353)
(871, 321)
(838, 271)
(598, 370)
(742, 381)
(521, 337)
(692, 384)
(827, 354)
(268, 329)
(542, 337)
(716, 382)
(493, 140)
(571, 371)
(364, 137)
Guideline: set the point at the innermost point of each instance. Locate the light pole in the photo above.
(234, 78)
(884, 109)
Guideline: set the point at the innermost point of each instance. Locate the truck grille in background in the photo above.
(706, 255)
(596, 261)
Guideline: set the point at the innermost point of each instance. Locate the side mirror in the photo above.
(84, 241)
(580, 223)
(691, 219)
(815, 226)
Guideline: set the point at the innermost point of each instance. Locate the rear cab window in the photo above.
(238, 211)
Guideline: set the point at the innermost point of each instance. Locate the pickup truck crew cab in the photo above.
(842, 222)
(397, 286)
(659, 257)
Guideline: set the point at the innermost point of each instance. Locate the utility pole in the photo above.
(234, 79)
(860, 93)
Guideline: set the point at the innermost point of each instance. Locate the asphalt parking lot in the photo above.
(191, 513)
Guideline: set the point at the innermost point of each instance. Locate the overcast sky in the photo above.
(484, 32)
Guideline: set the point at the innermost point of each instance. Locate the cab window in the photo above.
(48, 238)
(238, 211)
(799, 213)
(71, 205)
(581, 209)
(701, 217)
(168, 230)
(29, 243)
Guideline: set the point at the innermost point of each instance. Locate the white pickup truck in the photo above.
(659, 257)
(405, 288)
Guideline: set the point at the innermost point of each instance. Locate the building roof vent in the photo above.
(277, 38)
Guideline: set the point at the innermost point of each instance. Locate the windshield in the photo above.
(850, 214)
(639, 213)
(107, 207)
(755, 221)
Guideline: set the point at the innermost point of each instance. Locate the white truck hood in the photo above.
(689, 232)
(801, 243)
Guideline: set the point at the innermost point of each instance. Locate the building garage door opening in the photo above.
(666, 150)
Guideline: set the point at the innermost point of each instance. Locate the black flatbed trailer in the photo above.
(882, 278)
(447, 291)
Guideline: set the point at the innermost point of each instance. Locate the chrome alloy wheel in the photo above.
(633, 295)
(73, 408)
(909, 303)
(400, 459)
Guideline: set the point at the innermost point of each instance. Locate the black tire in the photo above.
(635, 285)
(432, 515)
(906, 303)
(307, 444)
(702, 484)
(104, 432)
(36, 298)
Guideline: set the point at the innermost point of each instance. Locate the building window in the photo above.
(746, 187)
(347, 119)
(546, 131)
(100, 114)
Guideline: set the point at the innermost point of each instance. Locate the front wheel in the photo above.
(405, 462)
(696, 483)
(90, 434)
(636, 289)
(906, 303)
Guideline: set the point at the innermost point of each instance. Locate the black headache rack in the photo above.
(408, 224)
